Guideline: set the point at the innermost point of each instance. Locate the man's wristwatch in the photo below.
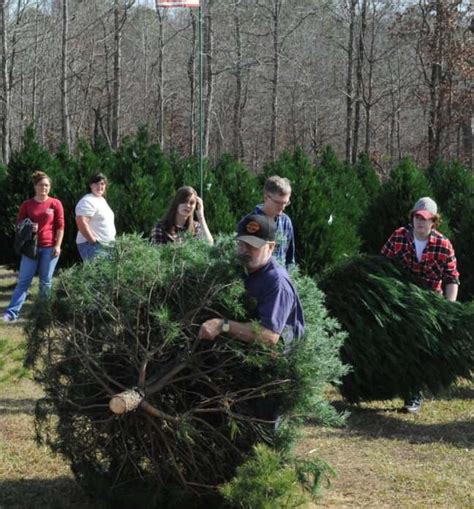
(226, 325)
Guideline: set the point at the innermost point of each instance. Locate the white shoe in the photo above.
(8, 318)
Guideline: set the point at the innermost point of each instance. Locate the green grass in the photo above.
(383, 458)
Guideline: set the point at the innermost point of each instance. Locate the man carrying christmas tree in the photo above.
(428, 255)
(279, 311)
(276, 197)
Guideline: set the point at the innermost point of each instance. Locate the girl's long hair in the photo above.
(169, 219)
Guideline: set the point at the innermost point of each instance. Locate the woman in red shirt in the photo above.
(47, 215)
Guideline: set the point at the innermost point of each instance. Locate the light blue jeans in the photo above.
(89, 251)
(44, 266)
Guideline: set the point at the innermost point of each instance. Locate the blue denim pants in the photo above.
(44, 266)
(89, 251)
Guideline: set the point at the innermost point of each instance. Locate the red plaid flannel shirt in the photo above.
(438, 261)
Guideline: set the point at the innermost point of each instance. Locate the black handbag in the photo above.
(26, 241)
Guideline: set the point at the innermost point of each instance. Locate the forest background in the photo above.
(385, 77)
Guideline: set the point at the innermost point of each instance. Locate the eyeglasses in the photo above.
(278, 202)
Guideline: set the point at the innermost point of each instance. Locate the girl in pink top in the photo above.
(47, 215)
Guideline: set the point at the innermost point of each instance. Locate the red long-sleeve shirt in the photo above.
(438, 263)
(49, 215)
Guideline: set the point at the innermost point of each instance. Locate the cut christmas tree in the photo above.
(146, 413)
(401, 338)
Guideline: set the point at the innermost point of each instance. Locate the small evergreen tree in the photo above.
(270, 480)
(453, 187)
(464, 246)
(368, 178)
(236, 181)
(343, 187)
(264, 482)
(142, 184)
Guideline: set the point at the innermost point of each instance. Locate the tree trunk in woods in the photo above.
(34, 78)
(161, 102)
(349, 81)
(237, 145)
(66, 130)
(370, 89)
(467, 142)
(117, 76)
(276, 8)
(5, 91)
(192, 84)
(209, 76)
(359, 83)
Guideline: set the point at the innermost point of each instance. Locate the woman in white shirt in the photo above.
(94, 219)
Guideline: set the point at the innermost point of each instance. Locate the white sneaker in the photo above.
(8, 318)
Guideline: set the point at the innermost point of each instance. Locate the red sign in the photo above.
(177, 3)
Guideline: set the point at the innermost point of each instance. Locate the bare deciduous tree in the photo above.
(5, 90)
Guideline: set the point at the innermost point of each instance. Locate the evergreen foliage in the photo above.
(142, 184)
(347, 201)
(130, 320)
(402, 339)
(368, 178)
(265, 481)
(233, 183)
(464, 246)
(453, 187)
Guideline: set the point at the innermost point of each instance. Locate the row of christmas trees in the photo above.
(338, 210)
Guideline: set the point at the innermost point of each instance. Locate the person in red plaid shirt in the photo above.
(428, 255)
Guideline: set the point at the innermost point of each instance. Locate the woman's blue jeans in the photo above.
(89, 251)
(44, 266)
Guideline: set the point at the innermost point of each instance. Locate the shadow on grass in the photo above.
(5, 294)
(8, 274)
(460, 392)
(59, 493)
(378, 423)
(7, 288)
(17, 406)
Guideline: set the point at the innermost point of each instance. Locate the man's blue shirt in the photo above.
(278, 305)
